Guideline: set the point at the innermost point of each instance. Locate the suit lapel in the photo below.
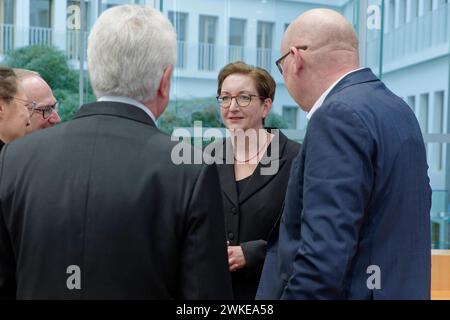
(275, 158)
(226, 173)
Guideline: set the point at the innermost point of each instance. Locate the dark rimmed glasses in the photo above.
(47, 110)
(242, 100)
(278, 62)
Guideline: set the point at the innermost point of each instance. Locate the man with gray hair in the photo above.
(45, 114)
(127, 223)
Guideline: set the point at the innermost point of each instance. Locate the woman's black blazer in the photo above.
(250, 217)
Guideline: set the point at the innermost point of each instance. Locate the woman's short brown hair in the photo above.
(8, 83)
(264, 83)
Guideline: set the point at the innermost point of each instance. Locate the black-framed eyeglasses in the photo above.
(30, 105)
(47, 110)
(278, 62)
(242, 100)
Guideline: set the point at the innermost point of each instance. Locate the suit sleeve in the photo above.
(338, 177)
(7, 261)
(204, 267)
(254, 253)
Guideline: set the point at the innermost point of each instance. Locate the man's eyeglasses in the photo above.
(242, 100)
(278, 62)
(47, 110)
(30, 105)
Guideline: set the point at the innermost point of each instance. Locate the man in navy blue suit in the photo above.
(356, 219)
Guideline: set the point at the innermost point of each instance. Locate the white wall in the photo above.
(190, 82)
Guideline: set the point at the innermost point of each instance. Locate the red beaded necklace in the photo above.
(257, 153)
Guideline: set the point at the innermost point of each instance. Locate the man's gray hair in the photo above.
(129, 47)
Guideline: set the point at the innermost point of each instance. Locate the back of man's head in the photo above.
(329, 36)
(331, 51)
(323, 28)
(22, 74)
(129, 47)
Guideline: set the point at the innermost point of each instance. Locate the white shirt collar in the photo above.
(324, 95)
(128, 101)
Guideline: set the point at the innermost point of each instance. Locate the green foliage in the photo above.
(51, 63)
(169, 121)
(209, 117)
(183, 113)
(186, 107)
(274, 120)
(68, 103)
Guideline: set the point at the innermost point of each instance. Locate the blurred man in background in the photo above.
(45, 114)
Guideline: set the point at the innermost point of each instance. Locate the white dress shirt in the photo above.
(324, 95)
(128, 101)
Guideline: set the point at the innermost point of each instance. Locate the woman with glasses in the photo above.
(15, 109)
(254, 181)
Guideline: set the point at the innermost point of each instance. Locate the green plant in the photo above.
(183, 113)
(51, 63)
(169, 121)
(209, 117)
(274, 120)
(68, 103)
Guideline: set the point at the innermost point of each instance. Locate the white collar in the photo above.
(128, 101)
(324, 95)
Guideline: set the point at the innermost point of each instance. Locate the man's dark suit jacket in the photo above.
(358, 202)
(250, 216)
(101, 193)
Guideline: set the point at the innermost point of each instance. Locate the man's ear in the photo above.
(162, 94)
(164, 85)
(2, 110)
(298, 59)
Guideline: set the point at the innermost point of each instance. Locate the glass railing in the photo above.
(264, 58)
(419, 39)
(181, 54)
(73, 45)
(40, 35)
(206, 56)
(191, 57)
(235, 53)
(6, 37)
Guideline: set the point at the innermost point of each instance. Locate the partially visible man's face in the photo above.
(286, 63)
(37, 90)
(293, 83)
